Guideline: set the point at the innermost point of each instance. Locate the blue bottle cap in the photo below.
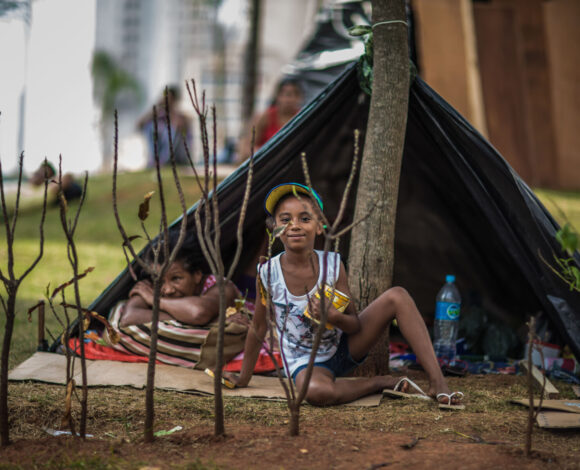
(450, 278)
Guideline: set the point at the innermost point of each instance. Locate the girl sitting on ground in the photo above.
(292, 279)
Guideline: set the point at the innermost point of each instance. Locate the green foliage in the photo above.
(6, 6)
(365, 62)
(360, 30)
(111, 80)
(568, 238)
(566, 209)
(563, 205)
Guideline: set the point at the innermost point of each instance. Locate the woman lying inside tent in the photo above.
(189, 307)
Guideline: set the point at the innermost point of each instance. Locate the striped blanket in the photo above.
(178, 344)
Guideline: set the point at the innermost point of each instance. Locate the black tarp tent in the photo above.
(461, 209)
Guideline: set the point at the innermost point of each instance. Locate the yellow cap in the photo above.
(277, 192)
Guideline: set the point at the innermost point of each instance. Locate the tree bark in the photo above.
(220, 71)
(251, 62)
(8, 330)
(149, 435)
(371, 256)
(294, 429)
(219, 421)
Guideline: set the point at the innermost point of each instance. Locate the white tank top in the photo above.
(296, 331)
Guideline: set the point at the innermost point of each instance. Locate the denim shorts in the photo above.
(340, 364)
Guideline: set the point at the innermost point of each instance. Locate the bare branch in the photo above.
(163, 219)
(202, 115)
(349, 183)
(126, 239)
(18, 193)
(173, 163)
(317, 208)
(41, 232)
(192, 165)
(6, 225)
(356, 222)
(3, 200)
(202, 242)
(81, 202)
(242, 218)
(215, 206)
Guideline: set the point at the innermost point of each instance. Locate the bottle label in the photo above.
(447, 311)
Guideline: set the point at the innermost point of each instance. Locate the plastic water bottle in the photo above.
(447, 307)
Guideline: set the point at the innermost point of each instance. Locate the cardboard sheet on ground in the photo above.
(50, 368)
(558, 420)
(571, 406)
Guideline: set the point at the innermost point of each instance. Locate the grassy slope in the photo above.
(563, 205)
(98, 244)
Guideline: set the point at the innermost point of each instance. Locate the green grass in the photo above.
(98, 244)
(563, 205)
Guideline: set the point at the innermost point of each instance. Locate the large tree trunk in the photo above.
(371, 256)
(251, 62)
(220, 71)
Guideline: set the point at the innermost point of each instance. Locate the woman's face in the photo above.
(178, 282)
(289, 98)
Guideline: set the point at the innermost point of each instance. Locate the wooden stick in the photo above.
(42, 346)
(549, 390)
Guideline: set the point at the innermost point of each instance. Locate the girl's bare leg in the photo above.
(397, 303)
(324, 390)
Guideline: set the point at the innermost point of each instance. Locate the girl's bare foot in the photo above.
(441, 393)
(389, 382)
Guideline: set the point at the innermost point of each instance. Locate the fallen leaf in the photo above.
(303, 451)
(144, 206)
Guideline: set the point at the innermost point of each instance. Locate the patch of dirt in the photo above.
(398, 434)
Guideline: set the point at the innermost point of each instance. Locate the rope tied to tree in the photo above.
(390, 22)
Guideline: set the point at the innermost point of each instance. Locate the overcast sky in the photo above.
(59, 115)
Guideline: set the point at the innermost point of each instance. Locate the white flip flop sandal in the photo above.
(449, 405)
(395, 392)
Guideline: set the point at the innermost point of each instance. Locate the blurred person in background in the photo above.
(287, 102)
(180, 130)
(70, 187)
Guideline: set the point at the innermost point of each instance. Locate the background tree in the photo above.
(109, 81)
(209, 235)
(251, 61)
(8, 6)
(163, 256)
(12, 282)
(69, 226)
(371, 257)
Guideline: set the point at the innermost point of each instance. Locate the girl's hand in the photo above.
(333, 314)
(235, 379)
(143, 289)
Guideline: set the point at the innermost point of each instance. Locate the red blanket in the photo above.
(95, 351)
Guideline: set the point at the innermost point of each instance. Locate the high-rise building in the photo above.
(166, 42)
